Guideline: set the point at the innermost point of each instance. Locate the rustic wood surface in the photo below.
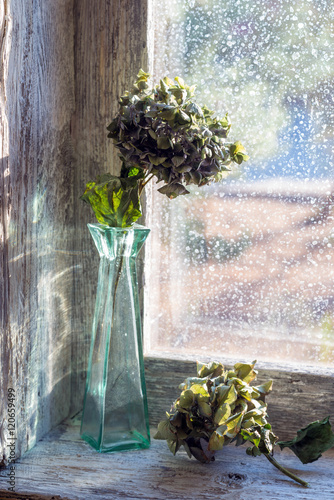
(110, 46)
(64, 64)
(298, 397)
(36, 196)
(62, 464)
(9, 495)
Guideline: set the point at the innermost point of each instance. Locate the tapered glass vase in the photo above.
(115, 414)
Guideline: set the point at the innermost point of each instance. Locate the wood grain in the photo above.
(36, 104)
(64, 64)
(110, 46)
(9, 495)
(298, 397)
(62, 464)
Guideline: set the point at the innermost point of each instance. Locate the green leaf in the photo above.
(186, 399)
(245, 371)
(222, 414)
(173, 190)
(252, 436)
(168, 81)
(163, 88)
(191, 381)
(241, 405)
(233, 425)
(164, 431)
(152, 134)
(247, 423)
(181, 434)
(238, 153)
(265, 388)
(168, 113)
(115, 200)
(174, 446)
(202, 397)
(204, 407)
(142, 75)
(256, 403)
(199, 389)
(195, 178)
(189, 421)
(253, 451)
(157, 160)
(136, 172)
(226, 394)
(184, 168)
(152, 113)
(214, 368)
(180, 81)
(268, 440)
(217, 439)
(177, 160)
(311, 441)
(179, 94)
(182, 116)
(248, 392)
(202, 455)
(164, 143)
(194, 109)
(256, 412)
(176, 419)
(186, 447)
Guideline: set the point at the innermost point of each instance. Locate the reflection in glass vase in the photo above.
(115, 414)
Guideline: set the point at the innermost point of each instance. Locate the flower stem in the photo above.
(118, 275)
(285, 471)
(141, 187)
(119, 272)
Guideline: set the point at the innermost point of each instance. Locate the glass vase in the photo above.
(115, 414)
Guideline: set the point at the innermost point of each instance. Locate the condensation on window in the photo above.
(244, 268)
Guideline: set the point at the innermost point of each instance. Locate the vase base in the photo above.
(130, 440)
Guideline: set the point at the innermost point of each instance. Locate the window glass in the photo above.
(245, 268)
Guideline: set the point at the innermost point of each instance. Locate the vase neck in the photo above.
(113, 242)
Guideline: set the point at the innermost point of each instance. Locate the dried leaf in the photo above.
(222, 414)
(217, 439)
(311, 441)
(115, 200)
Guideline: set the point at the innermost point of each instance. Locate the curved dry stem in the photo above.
(143, 184)
(285, 471)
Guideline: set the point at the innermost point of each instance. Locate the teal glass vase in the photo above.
(115, 413)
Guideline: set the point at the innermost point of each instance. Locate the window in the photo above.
(244, 269)
(48, 260)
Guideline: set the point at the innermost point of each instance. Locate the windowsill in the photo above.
(299, 396)
(288, 367)
(62, 464)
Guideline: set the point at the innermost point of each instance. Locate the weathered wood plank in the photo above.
(64, 465)
(36, 104)
(298, 398)
(56, 100)
(9, 495)
(110, 46)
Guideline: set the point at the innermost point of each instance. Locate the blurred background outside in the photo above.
(244, 269)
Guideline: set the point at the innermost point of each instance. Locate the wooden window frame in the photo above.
(300, 394)
(64, 64)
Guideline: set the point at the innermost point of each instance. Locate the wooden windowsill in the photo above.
(63, 466)
(299, 396)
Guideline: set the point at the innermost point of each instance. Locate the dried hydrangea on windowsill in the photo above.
(161, 133)
(220, 407)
